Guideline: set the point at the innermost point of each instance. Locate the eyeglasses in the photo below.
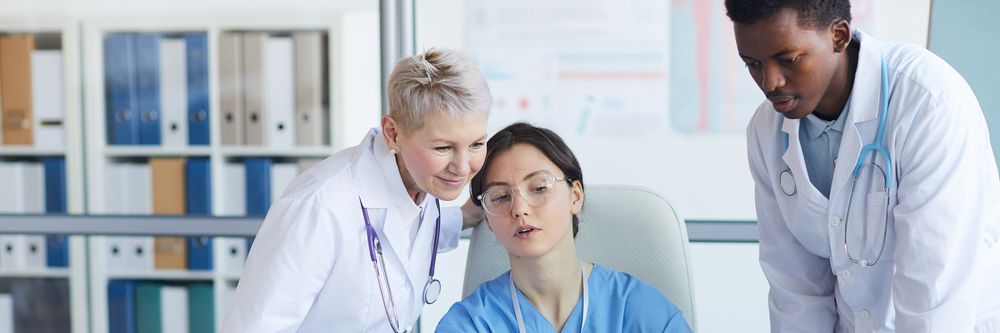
(498, 199)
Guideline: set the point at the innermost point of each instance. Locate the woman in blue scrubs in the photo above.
(531, 188)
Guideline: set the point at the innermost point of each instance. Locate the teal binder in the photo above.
(148, 310)
(201, 308)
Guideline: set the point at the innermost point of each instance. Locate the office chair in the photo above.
(626, 228)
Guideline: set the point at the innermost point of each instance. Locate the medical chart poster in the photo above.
(649, 93)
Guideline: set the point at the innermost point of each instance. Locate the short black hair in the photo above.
(545, 140)
(812, 13)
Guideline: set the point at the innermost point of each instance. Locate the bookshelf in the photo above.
(351, 105)
(62, 35)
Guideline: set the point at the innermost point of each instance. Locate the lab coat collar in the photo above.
(377, 175)
(863, 106)
(864, 98)
(381, 188)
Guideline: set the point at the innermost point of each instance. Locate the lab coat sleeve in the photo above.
(451, 228)
(801, 298)
(291, 259)
(946, 174)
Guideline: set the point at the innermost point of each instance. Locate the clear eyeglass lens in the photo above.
(498, 199)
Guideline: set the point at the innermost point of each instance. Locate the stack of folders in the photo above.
(148, 306)
(157, 88)
(31, 94)
(273, 89)
(34, 305)
(33, 187)
(163, 186)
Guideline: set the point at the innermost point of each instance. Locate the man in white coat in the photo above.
(878, 197)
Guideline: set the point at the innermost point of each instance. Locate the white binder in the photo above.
(235, 189)
(173, 92)
(11, 258)
(47, 99)
(174, 309)
(235, 254)
(282, 174)
(6, 313)
(279, 93)
(34, 252)
(140, 255)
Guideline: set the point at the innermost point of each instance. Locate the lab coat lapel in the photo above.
(382, 190)
(864, 102)
(795, 160)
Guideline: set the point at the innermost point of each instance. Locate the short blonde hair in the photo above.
(435, 80)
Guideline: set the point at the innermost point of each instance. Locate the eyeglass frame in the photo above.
(516, 188)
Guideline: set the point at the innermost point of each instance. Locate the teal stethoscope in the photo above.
(876, 149)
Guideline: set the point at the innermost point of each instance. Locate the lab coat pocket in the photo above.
(876, 218)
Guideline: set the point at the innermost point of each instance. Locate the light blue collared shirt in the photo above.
(820, 144)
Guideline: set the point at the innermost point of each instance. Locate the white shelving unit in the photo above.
(76, 273)
(354, 106)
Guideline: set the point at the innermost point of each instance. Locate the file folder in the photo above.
(121, 306)
(235, 254)
(47, 99)
(120, 89)
(231, 87)
(201, 308)
(173, 92)
(33, 250)
(197, 88)
(279, 93)
(6, 313)
(148, 308)
(199, 202)
(175, 309)
(310, 115)
(235, 189)
(168, 198)
(254, 89)
(258, 183)
(282, 174)
(56, 245)
(15, 92)
(147, 57)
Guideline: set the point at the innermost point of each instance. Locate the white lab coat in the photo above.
(309, 268)
(941, 269)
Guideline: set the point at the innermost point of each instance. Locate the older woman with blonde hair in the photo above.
(351, 245)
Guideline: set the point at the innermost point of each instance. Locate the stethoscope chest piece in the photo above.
(432, 290)
(787, 182)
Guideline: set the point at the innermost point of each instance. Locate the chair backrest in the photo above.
(626, 228)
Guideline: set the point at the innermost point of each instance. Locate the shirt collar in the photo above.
(814, 126)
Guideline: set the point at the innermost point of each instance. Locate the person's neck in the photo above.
(552, 283)
(416, 194)
(833, 102)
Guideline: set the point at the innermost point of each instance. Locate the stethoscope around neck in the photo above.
(432, 289)
(786, 181)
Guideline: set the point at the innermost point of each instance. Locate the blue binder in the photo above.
(147, 56)
(56, 245)
(121, 306)
(198, 200)
(258, 182)
(197, 84)
(120, 89)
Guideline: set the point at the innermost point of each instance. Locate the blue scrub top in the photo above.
(619, 302)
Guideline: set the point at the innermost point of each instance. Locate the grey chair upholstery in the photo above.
(626, 228)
